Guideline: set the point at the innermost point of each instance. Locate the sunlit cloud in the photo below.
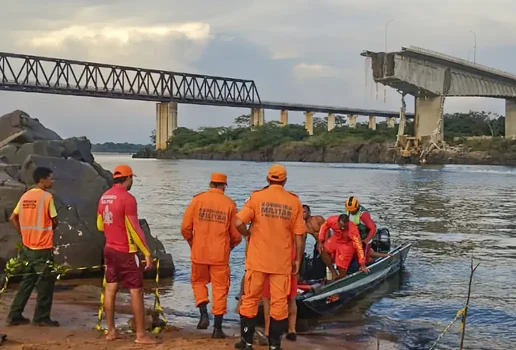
(311, 71)
(122, 35)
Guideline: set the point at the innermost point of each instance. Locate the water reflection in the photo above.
(449, 213)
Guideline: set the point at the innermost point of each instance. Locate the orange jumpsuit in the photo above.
(343, 244)
(209, 227)
(276, 216)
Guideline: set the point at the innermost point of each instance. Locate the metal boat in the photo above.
(319, 299)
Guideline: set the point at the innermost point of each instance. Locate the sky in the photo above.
(295, 50)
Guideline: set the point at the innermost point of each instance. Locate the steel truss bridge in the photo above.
(38, 74)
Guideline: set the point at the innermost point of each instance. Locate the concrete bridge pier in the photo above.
(284, 117)
(372, 122)
(429, 118)
(257, 116)
(309, 122)
(510, 118)
(352, 119)
(166, 123)
(331, 121)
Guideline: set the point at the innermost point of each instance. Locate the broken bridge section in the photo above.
(432, 76)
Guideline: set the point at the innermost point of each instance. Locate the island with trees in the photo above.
(471, 138)
(111, 147)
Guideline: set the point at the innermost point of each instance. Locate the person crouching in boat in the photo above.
(341, 246)
(361, 217)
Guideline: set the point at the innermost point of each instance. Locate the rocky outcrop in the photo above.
(79, 183)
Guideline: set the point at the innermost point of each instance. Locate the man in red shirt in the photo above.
(341, 246)
(117, 217)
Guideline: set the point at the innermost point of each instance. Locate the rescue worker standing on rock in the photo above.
(277, 227)
(209, 227)
(35, 218)
(117, 217)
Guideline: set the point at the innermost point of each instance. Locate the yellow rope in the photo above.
(101, 306)
(459, 314)
(61, 270)
(157, 304)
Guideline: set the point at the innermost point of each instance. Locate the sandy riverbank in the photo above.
(76, 310)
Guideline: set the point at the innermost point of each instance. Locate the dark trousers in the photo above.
(44, 283)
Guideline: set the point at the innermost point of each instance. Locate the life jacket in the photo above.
(355, 218)
(35, 221)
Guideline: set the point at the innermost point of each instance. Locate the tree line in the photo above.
(242, 136)
(117, 147)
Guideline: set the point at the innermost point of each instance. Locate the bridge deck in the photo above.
(422, 72)
(38, 74)
(466, 65)
(329, 109)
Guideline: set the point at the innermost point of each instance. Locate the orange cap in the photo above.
(219, 177)
(277, 172)
(122, 171)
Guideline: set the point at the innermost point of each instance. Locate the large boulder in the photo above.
(79, 182)
(19, 121)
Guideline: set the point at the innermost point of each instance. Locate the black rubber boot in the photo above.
(246, 333)
(217, 328)
(18, 321)
(291, 336)
(276, 329)
(204, 320)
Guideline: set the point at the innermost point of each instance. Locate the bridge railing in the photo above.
(60, 76)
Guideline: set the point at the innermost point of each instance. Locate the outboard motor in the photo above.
(382, 241)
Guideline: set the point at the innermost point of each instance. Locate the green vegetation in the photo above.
(117, 147)
(462, 128)
(463, 125)
(242, 137)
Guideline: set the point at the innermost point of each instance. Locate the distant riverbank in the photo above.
(474, 152)
(111, 147)
(472, 138)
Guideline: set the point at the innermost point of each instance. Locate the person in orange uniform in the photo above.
(341, 246)
(35, 218)
(277, 226)
(209, 228)
(117, 217)
(292, 305)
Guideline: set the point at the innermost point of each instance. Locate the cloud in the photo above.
(310, 71)
(295, 51)
(118, 35)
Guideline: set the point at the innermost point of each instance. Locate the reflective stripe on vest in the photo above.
(39, 217)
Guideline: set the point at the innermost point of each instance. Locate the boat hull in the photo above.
(327, 299)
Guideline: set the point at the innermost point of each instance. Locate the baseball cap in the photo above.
(219, 177)
(277, 172)
(122, 170)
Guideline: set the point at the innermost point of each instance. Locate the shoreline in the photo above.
(361, 153)
(75, 307)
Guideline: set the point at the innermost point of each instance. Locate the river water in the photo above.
(449, 214)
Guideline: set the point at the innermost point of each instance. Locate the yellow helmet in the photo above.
(352, 204)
